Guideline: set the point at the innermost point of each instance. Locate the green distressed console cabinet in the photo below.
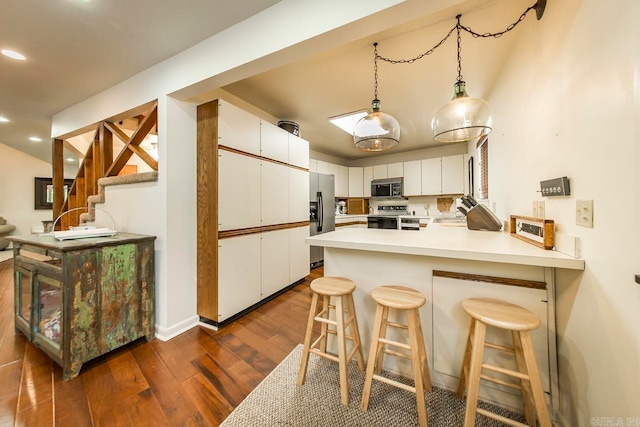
(78, 299)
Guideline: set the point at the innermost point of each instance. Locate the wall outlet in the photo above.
(584, 213)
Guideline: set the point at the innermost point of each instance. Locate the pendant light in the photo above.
(464, 117)
(377, 131)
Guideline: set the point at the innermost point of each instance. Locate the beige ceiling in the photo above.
(79, 48)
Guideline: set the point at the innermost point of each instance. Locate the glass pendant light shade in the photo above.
(377, 131)
(463, 118)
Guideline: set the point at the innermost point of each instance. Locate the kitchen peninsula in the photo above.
(448, 265)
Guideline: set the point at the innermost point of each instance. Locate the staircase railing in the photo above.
(98, 162)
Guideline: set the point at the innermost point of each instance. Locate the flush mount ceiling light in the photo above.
(464, 118)
(13, 54)
(4, 119)
(35, 139)
(377, 131)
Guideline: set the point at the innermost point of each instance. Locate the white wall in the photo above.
(17, 173)
(566, 104)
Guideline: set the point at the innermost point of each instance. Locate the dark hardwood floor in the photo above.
(195, 379)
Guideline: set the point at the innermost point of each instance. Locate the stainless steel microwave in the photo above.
(388, 187)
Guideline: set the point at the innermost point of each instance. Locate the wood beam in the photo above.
(69, 146)
(57, 161)
(136, 139)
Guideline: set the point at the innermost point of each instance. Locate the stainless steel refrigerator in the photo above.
(321, 211)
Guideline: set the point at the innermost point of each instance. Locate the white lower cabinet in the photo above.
(238, 281)
(275, 261)
(298, 253)
(451, 325)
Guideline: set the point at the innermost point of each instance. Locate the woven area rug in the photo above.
(279, 401)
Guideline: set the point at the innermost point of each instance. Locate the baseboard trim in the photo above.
(165, 334)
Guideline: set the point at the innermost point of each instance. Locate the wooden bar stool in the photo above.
(408, 300)
(489, 312)
(341, 290)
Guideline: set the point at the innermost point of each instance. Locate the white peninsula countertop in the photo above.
(447, 242)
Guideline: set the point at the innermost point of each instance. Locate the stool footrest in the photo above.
(501, 418)
(501, 382)
(394, 383)
(398, 325)
(397, 354)
(500, 347)
(505, 371)
(325, 320)
(394, 343)
(325, 355)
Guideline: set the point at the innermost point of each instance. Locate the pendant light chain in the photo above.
(458, 27)
(375, 71)
(459, 50)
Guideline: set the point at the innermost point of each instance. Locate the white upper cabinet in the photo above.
(298, 152)
(356, 183)
(431, 176)
(238, 191)
(453, 174)
(298, 195)
(380, 172)
(395, 170)
(274, 142)
(367, 176)
(274, 193)
(238, 129)
(412, 178)
(323, 167)
(342, 181)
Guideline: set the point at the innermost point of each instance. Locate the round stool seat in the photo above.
(501, 314)
(399, 297)
(333, 286)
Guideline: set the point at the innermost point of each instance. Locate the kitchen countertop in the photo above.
(447, 242)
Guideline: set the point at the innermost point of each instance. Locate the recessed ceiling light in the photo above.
(4, 119)
(13, 54)
(347, 122)
(35, 139)
(70, 159)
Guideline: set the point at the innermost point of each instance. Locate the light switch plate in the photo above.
(541, 213)
(584, 213)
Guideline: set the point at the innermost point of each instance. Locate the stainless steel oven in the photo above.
(389, 222)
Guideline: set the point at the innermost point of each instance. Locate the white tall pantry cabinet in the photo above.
(253, 210)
